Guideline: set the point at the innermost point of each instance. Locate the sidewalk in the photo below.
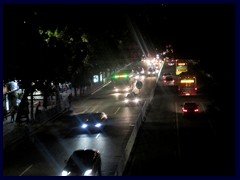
(14, 133)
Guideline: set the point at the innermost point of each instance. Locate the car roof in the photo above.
(90, 117)
(131, 95)
(83, 158)
(85, 152)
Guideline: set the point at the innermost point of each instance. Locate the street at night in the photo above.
(148, 87)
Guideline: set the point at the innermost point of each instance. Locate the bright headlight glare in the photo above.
(98, 125)
(136, 100)
(65, 173)
(88, 172)
(84, 125)
(126, 100)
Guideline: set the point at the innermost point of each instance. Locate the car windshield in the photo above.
(190, 105)
(169, 78)
(131, 95)
(90, 117)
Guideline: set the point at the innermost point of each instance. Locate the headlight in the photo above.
(88, 172)
(84, 125)
(98, 125)
(126, 100)
(136, 100)
(65, 173)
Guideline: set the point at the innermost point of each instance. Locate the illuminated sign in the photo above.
(187, 81)
(181, 64)
(120, 76)
(95, 79)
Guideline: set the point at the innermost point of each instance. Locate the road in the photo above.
(44, 153)
(169, 144)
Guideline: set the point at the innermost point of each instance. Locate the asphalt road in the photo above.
(169, 144)
(44, 153)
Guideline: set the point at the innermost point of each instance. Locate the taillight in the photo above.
(164, 81)
(195, 88)
(184, 110)
(195, 110)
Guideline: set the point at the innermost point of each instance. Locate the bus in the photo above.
(123, 81)
(181, 67)
(187, 85)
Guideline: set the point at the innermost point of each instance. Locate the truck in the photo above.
(123, 81)
(187, 84)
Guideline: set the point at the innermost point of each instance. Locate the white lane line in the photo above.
(86, 110)
(98, 89)
(178, 135)
(26, 170)
(117, 110)
(97, 135)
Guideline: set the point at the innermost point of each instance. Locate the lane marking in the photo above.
(117, 110)
(26, 170)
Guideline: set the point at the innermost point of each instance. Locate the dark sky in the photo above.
(203, 32)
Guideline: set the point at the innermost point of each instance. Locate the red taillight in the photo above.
(164, 81)
(195, 110)
(195, 88)
(184, 110)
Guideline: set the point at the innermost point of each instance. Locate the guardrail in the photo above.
(141, 117)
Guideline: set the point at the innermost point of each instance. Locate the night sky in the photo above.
(205, 32)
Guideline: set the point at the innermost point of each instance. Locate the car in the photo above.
(165, 75)
(83, 162)
(170, 63)
(131, 98)
(168, 81)
(190, 108)
(92, 120)
(151, 72)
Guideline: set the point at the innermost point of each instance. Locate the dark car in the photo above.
(190, 108)
(151, 72)
(85, 162)
(169, 81)
(165, 75)
(93, 120)
(131, 98)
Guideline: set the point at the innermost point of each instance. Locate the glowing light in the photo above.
(187, 81)
(88, 172)
(65, 173)
(84, 125)
(98, 125)
(120, 76)
(181, 64)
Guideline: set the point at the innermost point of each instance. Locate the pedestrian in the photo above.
(12, 112)
(38, 111)
(70, 100)
(26, 110)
